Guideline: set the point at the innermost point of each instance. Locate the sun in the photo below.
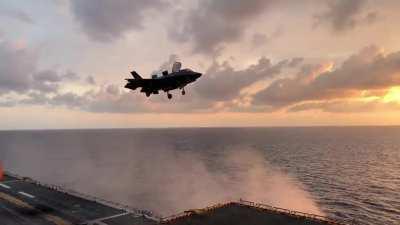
(393, 95)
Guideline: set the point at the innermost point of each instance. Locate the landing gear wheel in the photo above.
(148, 94)
(183, 92)
(169, 96)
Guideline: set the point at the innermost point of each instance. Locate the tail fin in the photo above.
(136, 75)
(176, 67)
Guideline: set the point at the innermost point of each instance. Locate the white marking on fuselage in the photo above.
(4, 186)
(26, 194)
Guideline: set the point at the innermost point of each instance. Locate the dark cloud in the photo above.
(47, 76)
(367, 70)
(90, 80)
(104, 20)
(260, 39)
(215, 22)
(15, 14)
(34, 98)
(16, 67)
(344, 15)
(19, 73)
(295, 61)
(69, 75)
(69, 99)
(108, 99)
(222, 82)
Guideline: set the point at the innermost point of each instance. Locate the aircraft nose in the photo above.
(198, 75)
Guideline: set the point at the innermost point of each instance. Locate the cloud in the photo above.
(90, 80)
(346, 106)
(16, 14)
(369, 69)
(105, 21)
(222, 82)
(259, 39)
(19, 72)
(215, 22)
(16, 66)
(344, 15)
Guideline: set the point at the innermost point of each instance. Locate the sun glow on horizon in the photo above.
(393, 95)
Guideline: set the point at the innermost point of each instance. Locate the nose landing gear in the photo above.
(169, 95)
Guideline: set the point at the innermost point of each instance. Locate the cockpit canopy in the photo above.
(187, 70)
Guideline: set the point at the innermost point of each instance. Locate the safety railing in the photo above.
(292, 213)
(188, 213)
(295, 213)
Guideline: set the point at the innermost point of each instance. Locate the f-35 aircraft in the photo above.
(164, 82)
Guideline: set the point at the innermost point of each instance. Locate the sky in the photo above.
(264, 62)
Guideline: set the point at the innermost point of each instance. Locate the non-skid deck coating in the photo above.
(236, 213)
(26, 202)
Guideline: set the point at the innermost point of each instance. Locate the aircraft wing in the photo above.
(136, 83)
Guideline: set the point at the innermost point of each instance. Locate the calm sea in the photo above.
(344, 173)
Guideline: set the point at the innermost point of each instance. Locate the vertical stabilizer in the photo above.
(176, 67)
(136, 75)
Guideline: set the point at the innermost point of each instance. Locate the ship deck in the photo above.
(24, 201)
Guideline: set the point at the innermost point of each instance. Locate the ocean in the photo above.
(340, 172)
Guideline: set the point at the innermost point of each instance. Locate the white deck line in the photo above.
(96, 221)
(26, 194)
(4, 186)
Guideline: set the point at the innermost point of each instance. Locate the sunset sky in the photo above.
(264, 62)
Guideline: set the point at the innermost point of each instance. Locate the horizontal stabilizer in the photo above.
(136, 75)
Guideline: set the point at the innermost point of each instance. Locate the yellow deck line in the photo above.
(55, 219)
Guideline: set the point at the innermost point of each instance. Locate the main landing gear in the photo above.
(170, 95)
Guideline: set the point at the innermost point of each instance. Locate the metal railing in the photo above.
(292, 213)
(188, 213)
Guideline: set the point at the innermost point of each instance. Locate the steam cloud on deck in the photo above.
(155, 175)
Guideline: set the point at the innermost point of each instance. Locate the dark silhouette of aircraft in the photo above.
(164, 82)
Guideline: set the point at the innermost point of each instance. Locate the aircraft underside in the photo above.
(169, 95)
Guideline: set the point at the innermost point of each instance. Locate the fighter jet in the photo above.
(178, 78)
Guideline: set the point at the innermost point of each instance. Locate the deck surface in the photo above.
(24, 202)
(239, 214)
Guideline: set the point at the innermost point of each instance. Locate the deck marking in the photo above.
(9, 181)
(17, 216)
(26, 194)
(4, 186)
(52, 218)
(95, 221)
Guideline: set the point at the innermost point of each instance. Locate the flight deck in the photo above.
(24, 201)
